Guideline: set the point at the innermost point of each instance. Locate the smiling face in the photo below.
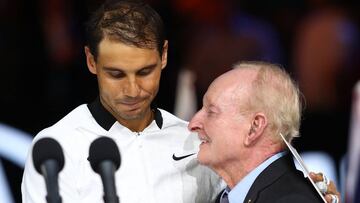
(220, 124)
(128, 79)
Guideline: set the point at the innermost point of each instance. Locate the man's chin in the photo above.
(202, 159)
(132, 115)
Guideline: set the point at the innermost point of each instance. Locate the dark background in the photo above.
(44, 74)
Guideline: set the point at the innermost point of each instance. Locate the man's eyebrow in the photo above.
(214, 107)
(209, 104)
(112, 69)
(150, 66)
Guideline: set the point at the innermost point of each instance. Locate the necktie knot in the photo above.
(224, 197)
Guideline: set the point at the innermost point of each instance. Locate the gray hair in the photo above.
(277, 95)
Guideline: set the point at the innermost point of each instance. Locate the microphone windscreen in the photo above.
(103, 148)
(46, 149)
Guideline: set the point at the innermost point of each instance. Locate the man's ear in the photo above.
(256, 129)
(90, 60)
(164, 54)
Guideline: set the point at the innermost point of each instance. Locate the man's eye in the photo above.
(116, 74)
(145, 72)
(210, 112)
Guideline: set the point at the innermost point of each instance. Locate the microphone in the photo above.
(104, 157)
(48, 160)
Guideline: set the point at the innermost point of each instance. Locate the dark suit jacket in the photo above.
(281, 182)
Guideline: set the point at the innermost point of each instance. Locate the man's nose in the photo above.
(132, 88)
(195, 123)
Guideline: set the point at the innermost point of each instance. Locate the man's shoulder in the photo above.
(282, 181)
(80, 116)
(170, 120)
(177, 131)
(295, 185)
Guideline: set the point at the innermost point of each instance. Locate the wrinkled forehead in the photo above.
(231, 86)
(234, 80)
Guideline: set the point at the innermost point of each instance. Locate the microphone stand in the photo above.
(107, 173)
(50, 170)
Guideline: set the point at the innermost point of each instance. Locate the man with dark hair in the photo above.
(127, 51)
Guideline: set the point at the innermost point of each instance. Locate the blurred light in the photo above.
(14, 144)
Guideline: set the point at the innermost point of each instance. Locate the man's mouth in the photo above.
(204, 139)
(132, 105)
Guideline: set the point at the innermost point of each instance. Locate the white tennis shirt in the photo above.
(148, 171)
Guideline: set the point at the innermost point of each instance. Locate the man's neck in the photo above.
(234, 172)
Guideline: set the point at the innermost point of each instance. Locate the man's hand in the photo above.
(331, 192)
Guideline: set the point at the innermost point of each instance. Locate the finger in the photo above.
(332, 198)
(328, 198)
(332, 189)
(316, 177)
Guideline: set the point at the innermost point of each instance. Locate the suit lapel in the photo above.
(273, 172)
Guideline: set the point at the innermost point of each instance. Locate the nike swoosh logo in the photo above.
(177, 158)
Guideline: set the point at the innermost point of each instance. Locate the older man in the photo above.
(244, 113)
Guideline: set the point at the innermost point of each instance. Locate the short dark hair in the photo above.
(132, 22)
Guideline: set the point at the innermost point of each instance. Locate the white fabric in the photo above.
(323, 187)
(147, 173)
